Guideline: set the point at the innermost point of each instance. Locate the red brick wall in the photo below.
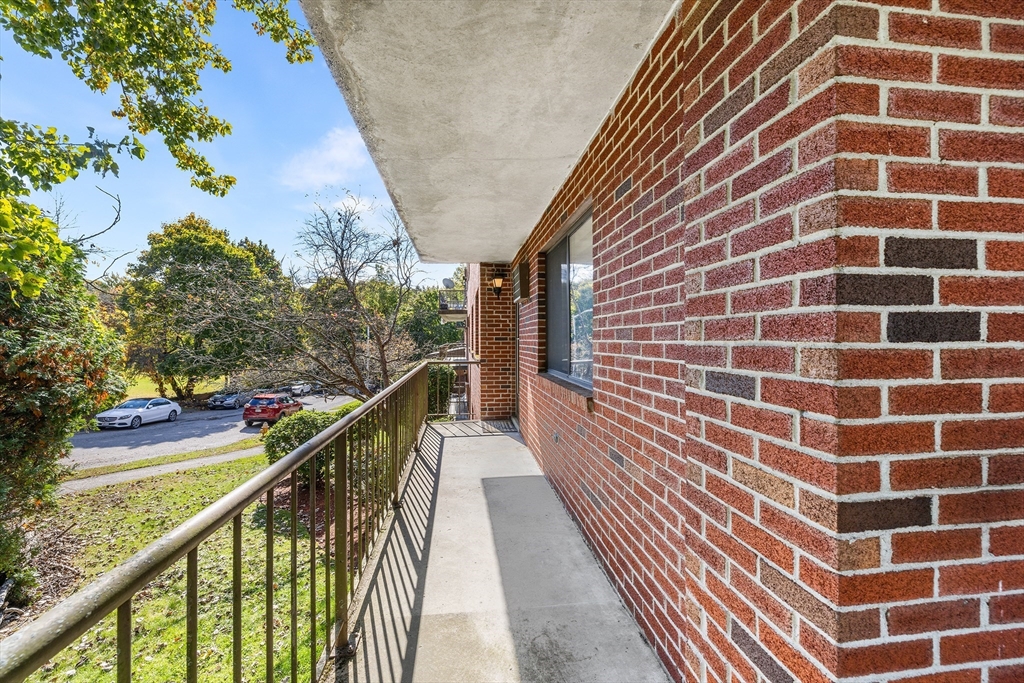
(805, 459)
(492, 321)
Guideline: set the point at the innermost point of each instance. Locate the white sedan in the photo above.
(135, 411)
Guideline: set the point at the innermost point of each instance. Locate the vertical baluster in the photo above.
(363, 501)
(378, 503)
(353, 504)
(270, 586)
(236, 600)
(330, 500)
(192, 616)
(124, 642)
(295, 575)
(312, 566)
(393, 443)
(400, 445)
(372, 472)
(341, 523)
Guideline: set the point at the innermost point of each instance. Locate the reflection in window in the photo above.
(570, 305)
(581, 302)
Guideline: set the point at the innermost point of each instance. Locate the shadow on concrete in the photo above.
(514, 593)
(393, 598)
(565, 618)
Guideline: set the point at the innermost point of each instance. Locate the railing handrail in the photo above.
(32, 646)
(452, 298)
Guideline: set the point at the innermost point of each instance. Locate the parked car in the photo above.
(136, 411)
(269, 408)
(298, 388)
(231, 398)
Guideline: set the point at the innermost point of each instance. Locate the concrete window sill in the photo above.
(574, 394)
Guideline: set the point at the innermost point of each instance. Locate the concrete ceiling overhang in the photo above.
(475, 111)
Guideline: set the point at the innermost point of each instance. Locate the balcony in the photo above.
(439, 552)
(452, 305)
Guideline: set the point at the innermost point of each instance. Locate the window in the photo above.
(570, 304)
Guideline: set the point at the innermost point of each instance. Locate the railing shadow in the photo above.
(388, 620)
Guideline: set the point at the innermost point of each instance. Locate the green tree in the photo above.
(421, 322)
(152, 52)
(58, 365)
(337, 323)
(188, 262)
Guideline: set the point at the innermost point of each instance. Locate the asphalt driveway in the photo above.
(191, 432)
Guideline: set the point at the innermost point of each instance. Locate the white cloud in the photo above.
(333, 160)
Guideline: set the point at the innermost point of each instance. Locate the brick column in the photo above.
(855, 411)
(492, 383)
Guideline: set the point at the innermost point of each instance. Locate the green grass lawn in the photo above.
(116, 521)
(144, 387)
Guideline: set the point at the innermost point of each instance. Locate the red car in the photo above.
(269, 408)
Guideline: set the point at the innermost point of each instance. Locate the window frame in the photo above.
(562, 245)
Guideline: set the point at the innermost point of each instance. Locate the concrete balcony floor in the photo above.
(482, 576)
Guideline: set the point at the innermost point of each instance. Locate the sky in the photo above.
(293, 142)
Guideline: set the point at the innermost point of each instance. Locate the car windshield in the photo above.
(134, 404)
(262, 402)
(216, 396)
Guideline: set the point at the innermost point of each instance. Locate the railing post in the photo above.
(329, 452)
(124, 642)
(192, 616)
(270, 585)
(312, 567)
(236, 600)
(294, 483)
(341, 541)
(393, 447)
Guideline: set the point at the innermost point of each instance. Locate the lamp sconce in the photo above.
(496, 282)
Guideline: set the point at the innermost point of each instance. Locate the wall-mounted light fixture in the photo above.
(496, 283)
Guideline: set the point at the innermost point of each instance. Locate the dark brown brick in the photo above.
(883, 290)
(800, 599)
(760, 657)
(951, 614)
(935, 327)
(623, 188)
(741, 386)
(905, 252)
(861, 625)
(877, 515)
(739, 100)
(840, 21)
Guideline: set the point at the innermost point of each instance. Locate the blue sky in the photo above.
(292, 139)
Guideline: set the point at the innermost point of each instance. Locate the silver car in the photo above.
(136, 411)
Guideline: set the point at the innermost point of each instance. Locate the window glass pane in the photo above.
(581, 301)
(558, 308)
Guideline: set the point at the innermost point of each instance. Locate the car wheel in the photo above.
(136, 422)
(236, 404)
(172, 416)
(249, 423)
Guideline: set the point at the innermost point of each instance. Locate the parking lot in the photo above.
(191, 432)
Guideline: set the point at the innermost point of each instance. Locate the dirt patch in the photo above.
(53, 547)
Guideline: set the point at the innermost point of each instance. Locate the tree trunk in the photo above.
(158, 380)
(190, 388)
(179, 393)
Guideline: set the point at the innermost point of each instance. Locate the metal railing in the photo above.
(363, 456)
(448, 389)
(451, 299)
